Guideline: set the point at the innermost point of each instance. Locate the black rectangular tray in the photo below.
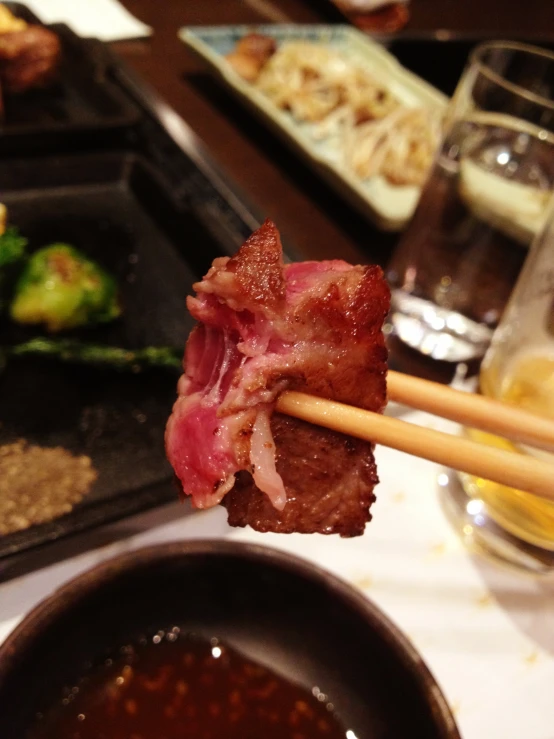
(82, 105)
(150, 190)
(116, 208)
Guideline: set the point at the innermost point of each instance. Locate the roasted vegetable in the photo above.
(12, 251)
(113, 357)
(12, 246)
(63, 289)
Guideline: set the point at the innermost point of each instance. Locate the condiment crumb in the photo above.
(38, 484)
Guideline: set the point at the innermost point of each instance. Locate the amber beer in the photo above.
(528, 383)
(518, 369)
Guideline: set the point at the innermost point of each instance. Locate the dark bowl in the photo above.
(281, 611)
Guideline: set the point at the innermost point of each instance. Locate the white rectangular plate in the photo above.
(389, 206)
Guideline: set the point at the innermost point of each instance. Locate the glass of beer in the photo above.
(484, 202)
(517, 369)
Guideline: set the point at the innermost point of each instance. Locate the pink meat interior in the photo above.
(262, 327)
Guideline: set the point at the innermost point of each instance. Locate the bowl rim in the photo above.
(67, 595)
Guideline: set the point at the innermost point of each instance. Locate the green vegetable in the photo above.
(68, 350)
(12, 251)
(63, 289)
(12, 246)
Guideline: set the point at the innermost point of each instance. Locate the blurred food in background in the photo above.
(385, 16)
(29, 54)
(374, 133)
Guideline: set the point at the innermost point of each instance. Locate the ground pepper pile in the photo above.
(38, 484)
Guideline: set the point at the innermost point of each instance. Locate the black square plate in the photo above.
(116, 208)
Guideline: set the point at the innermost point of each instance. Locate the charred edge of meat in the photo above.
(329, 480)
(265, 327)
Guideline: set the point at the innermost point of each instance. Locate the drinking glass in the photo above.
(484, 201)
(517, 369)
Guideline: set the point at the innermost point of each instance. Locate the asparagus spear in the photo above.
(70, 350)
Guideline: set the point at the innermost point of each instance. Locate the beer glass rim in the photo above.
(476, 59)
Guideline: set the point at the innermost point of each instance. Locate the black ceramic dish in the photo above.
(152, 192)
(82, 107)
(283, 612)
(116, 208)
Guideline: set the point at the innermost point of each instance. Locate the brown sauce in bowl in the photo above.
(179, 687)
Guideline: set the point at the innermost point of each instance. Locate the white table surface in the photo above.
(486, 632)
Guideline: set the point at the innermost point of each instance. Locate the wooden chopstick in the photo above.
(515, 470)
(471, 410)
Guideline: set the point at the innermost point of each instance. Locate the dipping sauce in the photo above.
(178, 687)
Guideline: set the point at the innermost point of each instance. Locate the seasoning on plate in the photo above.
(38, 484)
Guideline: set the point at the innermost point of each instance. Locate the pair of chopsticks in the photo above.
(507, 468)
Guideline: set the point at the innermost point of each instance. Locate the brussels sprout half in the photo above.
(63, 289)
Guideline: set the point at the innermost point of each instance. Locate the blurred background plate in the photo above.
(153, 218)
(115, 208)
(83, 103)
(388, 206)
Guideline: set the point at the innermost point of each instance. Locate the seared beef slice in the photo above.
(265, 327)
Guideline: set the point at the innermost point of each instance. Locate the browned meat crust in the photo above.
(250, 54)
(329, 480)
(329, 477)
(265, 327)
